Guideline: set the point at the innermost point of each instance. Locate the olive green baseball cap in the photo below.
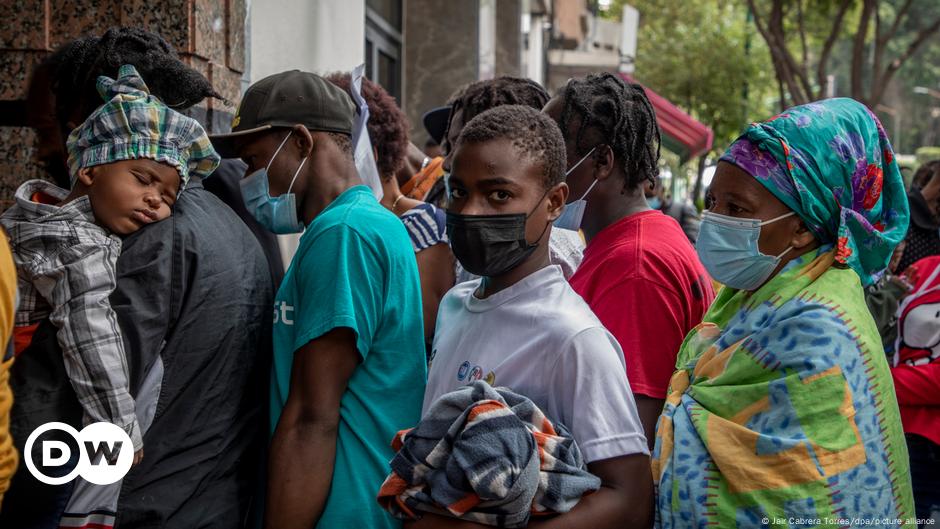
(287, 99)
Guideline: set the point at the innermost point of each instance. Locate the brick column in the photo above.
(208, 35)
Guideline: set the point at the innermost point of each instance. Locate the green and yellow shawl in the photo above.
(782, 412)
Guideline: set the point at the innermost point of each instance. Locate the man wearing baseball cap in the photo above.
(349, 365)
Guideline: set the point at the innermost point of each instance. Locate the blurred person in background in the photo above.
(8, 453)
(916, 372)
(684, 212)
(923, 236)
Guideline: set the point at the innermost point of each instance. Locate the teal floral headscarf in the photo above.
(832, 163)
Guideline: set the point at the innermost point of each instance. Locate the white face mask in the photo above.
(570, 218)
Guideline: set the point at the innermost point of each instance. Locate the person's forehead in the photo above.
(493, 159)
(732, 180)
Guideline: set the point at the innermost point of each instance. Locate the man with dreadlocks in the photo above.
(640, 274)
(193, 302)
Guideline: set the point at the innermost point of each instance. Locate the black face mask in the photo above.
(489, 245)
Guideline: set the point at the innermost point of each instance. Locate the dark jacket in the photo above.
(195, 292)
(686, 215)
(923, 237)
(193, 300)
(224, 183)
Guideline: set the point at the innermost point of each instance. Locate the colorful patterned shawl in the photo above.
(783, 407)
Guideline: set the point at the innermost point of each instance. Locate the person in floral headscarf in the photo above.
(782, 406)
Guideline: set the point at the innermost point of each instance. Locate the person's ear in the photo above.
(557, 197)
(86, 175)
(603, 162)
(802, 236)
(303, 139)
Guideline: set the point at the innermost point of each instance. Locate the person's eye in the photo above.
(500, 195)
(142, 178)
(457, 193)
(734, 209)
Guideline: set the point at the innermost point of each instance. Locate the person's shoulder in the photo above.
(565, 313)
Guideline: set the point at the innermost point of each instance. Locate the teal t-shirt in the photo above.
(355, 268)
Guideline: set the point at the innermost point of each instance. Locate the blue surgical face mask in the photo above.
(570, 218)
(654, 202)
(276, 214)
(727, 247)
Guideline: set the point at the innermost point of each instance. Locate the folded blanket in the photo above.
(488, 456)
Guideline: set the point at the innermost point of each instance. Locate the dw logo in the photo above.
(105, 453)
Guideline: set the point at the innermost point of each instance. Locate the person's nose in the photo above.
(152, 200)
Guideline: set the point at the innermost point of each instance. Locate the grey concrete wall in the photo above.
(509, 37)
(440, 54)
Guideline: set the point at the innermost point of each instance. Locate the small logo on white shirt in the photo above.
(469, 372)
(283, 313)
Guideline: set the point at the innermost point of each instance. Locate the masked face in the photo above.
(571, 217)
(499, 209)
(277, 214)
(747, 231)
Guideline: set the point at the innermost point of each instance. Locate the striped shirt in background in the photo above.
(426, 225)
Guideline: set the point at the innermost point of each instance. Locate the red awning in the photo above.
(682, 133)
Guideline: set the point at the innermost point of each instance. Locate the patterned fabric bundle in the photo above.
(782, 409)
(488, 456)
(831, 163)
(132, 124)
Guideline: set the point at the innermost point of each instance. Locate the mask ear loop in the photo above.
(781, 217)
(297, 172)
(266, 167)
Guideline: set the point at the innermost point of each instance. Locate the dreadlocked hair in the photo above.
(533, 134)
(78, 64)
(622, 115)
(387, 126)
(480, 96)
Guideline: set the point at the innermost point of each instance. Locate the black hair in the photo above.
(343, 141)
(622, 115)
(533, 134)
(78, 64)
(475, 98)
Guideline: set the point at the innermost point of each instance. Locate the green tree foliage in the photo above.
(704, 56)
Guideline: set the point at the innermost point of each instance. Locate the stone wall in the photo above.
(208, 34)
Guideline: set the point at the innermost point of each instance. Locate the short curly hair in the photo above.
(388, 126)
(534, 135)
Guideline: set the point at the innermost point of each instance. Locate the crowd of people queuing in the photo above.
(522, 330)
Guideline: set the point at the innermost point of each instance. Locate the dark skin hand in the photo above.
(625, 500)
(649, 410)
(735, 193)
(303, 449)
(608, 202)
(436, 271)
